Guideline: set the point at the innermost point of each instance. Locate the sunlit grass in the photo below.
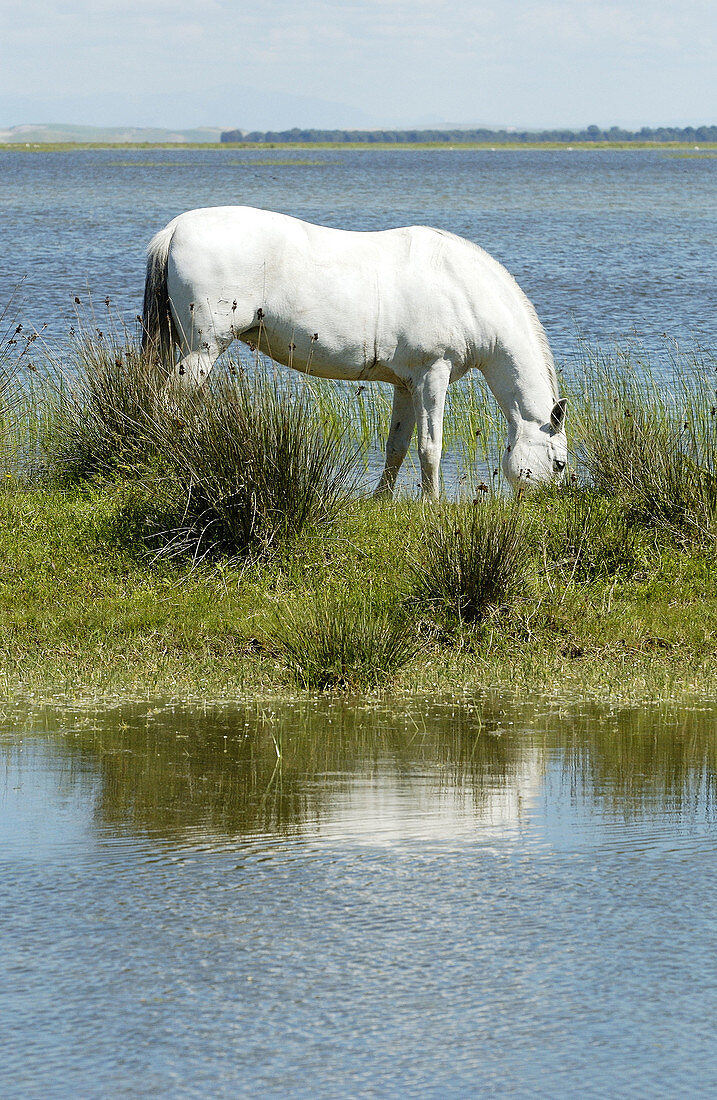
(343, 641)
(216, 542)
(651, 442)
(473, 560)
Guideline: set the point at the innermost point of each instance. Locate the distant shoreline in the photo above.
(336, 146)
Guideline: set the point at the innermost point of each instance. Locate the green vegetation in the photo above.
(335, 641)
(481, 135)
(208, 546)
(475, 558)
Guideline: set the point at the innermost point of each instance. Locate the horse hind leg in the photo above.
(403, 420)
(187, 377)
(202, 336)
(194, 368)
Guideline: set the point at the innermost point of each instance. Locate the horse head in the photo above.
(537, 452)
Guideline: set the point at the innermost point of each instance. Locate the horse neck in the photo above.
(522, 382)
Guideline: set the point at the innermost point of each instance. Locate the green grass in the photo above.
(473, 560)
(135, 564)
(652, 446)
(331, 642)
(83, 612)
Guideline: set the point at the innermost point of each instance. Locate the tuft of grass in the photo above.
(249, 465)
(345, 643)
(104, 407)
(652, 445)
(236, 467)
(475, 559)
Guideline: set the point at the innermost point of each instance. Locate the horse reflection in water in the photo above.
(415, 307)
(385, 808)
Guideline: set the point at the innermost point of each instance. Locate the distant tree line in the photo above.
(497, 137)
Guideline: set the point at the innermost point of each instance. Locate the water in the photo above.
(606, 245)
(458, 899)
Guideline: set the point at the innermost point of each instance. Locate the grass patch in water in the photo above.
(608, 594)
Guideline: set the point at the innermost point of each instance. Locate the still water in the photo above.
(329, 899)
(608, 245)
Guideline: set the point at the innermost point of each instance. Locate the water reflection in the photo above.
(331, 898)
(362, 772)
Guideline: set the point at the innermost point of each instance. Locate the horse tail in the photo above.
(158, 331)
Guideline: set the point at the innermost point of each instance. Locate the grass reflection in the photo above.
(186, 774)
(639, 758)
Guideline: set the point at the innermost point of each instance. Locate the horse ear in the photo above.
(557, 416)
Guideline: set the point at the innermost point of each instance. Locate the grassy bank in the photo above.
(221, 546)
(86, 613)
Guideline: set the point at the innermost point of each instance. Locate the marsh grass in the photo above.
(652, 442)
(343, 641)
(475, 560)
(238, 466)
(249, 486)
(249, 465)
(11, 393)
(585, 535)
(104, 403)
(82, 612)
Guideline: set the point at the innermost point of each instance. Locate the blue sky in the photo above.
(279, 63)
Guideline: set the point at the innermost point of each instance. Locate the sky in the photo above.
(274, 64)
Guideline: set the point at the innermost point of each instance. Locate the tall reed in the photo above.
(652, 441)
(10, 392)
(475, 559)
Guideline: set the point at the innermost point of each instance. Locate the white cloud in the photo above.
(527, 62)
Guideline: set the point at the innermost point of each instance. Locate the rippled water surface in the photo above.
(330, 899)
(605, 244)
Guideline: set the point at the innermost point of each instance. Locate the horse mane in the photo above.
(535, 322)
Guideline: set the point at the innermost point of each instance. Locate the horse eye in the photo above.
(558, 465)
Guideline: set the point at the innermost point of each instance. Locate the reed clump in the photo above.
(105, 403)
(651, 442)
(235, 467)
(344, 642)
(474, 561)
(251, 466)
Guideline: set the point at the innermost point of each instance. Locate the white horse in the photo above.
(416, 307)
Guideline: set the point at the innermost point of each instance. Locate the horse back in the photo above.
(331, 296)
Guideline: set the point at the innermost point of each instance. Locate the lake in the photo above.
(321, 899)
(608, 245)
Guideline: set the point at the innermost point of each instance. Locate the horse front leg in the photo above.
(403, 421)
(429, 402)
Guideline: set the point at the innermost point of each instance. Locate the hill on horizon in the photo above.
(44, 133)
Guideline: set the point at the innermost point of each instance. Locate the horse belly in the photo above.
(325, 348)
